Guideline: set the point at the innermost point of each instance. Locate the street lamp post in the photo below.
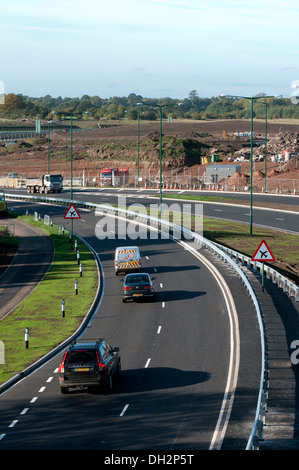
(161, 106)
(138, 130)
(48, 147)
(251, 98)
(71, 152)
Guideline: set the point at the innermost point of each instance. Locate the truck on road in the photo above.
(45, 184)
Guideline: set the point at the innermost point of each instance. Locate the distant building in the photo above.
(218, 172)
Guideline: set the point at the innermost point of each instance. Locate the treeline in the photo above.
(115, 108)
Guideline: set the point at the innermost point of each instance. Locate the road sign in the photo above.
(263, 253)
(72, 213)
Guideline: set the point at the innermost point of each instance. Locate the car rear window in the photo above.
(81, 357)
(127, 255)
(137, 279)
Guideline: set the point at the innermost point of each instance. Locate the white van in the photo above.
(127, 259)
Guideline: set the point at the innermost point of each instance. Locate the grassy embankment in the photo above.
(41, 311)
(235, 235)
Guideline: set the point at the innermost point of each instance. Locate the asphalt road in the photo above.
(175, 361)
(265, 217)
(28, 264)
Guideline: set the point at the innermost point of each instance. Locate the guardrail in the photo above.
(228, 257)
(288, 286)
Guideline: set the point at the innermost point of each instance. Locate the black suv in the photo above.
(89, 363)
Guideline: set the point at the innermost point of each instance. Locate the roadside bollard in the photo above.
(63, 230)
(26, 338)
(78, 257)
(80, 269)
(63, 308)
(75, 245)
(76, 286)
(70, 237)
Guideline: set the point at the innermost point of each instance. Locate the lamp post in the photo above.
(71, 152)
(251, 98)
(138, 132)
(48, 147)
(49, 122)
(161, 106)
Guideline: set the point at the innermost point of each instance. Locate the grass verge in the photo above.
(41, 311)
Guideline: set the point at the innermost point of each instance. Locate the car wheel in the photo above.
(64, 390)
(124, 300)
(118, 370)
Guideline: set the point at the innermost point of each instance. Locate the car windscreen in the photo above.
(55, 178)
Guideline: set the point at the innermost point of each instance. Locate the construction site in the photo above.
(213, 155)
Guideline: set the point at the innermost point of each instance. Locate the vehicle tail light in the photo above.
(61, 367)
(100, 364)
(147, 287)
(127, 288)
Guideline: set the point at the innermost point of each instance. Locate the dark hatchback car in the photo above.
(89, 363)
(138, 285)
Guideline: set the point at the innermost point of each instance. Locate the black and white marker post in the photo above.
(26, 338)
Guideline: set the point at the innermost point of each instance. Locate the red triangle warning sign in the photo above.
(263, 253)
(72, 213)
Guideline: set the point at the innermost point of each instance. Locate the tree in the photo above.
(13, 104)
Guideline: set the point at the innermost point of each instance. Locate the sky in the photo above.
(152, 48)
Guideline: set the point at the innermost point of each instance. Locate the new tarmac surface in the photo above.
(34, 257)
(29, 266)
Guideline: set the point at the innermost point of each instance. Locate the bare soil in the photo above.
(93, 149)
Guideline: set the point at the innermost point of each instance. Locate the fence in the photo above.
(174, 181)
